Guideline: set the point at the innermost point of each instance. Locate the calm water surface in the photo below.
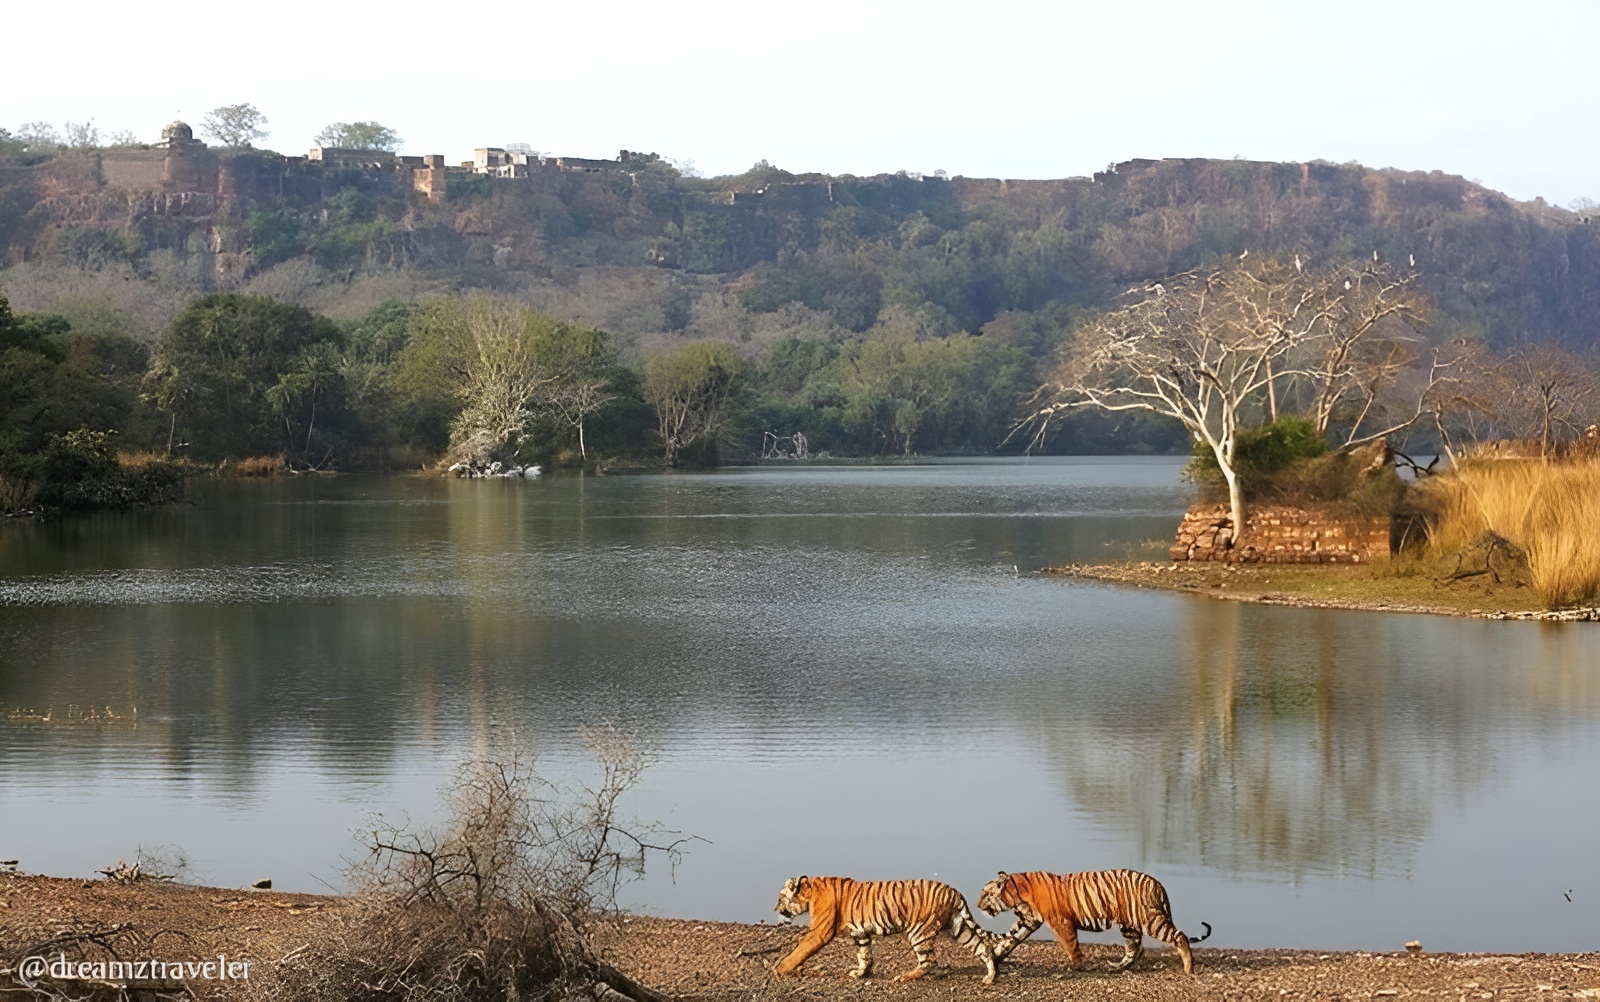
(841, 670)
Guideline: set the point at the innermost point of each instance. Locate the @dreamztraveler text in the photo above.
(36, 971)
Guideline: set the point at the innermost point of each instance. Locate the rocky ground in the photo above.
(720, 961)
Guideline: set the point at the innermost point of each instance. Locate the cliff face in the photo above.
(845, 248)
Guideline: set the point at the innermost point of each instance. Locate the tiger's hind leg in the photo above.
(921, 937)
(1181, 943)
(1163, 929)
(1133, 947)
(863, 966)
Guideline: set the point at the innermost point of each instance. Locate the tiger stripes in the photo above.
(1093, 901)
(918, 908)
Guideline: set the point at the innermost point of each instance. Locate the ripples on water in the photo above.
(841, 669)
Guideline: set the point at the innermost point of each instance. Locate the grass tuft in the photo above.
(1551, 510)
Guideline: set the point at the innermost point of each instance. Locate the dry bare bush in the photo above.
(162, 864)
(496, 901)
(1550, 511)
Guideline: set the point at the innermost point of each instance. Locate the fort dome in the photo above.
(177, 133)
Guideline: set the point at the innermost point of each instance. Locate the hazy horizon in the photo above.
(1018, 90)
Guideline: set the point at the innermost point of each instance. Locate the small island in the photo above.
(1507, 533)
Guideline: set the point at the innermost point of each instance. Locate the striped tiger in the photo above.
(918, 908)
(1090, 901)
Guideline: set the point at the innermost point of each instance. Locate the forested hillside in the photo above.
(894, 314)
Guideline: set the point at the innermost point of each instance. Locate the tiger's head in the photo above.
(997, 895)
(795, 898)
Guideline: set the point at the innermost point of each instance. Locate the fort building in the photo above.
(180, 163)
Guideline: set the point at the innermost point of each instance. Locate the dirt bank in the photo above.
(721, 961)
(1374, 588)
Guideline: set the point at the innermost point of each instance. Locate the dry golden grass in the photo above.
(258, 466)
(1551, 510)
(138, 460)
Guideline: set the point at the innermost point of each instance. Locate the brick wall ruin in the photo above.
(1276, 534)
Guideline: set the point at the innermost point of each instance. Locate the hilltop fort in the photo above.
(640, 247)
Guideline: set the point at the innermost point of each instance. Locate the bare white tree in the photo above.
(582, 357)
(502, 377)
(1220, 349)
(579, 399)
(692, 388)
(1540, 392)
(1368, 344)
(1554, 391)
(82, 135)
(1181, 349)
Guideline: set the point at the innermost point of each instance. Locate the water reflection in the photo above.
(1289, 743)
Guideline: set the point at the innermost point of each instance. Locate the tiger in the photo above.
(1093, 901)
(918, 908)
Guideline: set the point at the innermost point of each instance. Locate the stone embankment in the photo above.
(1281, 535)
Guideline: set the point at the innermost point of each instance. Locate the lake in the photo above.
(837, 670)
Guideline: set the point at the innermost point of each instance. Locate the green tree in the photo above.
(359, 136)
(54, 379)
(950, 394)
(694, 389)
(582, 359)
(313, 376)
(64, 396)
(235, 125)
(235, 372)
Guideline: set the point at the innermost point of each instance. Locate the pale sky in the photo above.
(1503, 93)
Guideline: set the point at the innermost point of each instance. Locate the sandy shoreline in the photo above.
(727, 961)
(1318, 587)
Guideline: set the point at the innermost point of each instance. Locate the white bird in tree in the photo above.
(1245, 254)
(1374, 255)
(1412, 259)
(1297, 265)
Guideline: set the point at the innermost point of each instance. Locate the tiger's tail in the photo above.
(1202, 939)
(975, 938)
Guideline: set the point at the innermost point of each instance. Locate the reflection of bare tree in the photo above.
(1298, 745)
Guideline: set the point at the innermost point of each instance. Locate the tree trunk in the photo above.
(626, 986)
(1235, 501)
(582, 452)
(1272, 396)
